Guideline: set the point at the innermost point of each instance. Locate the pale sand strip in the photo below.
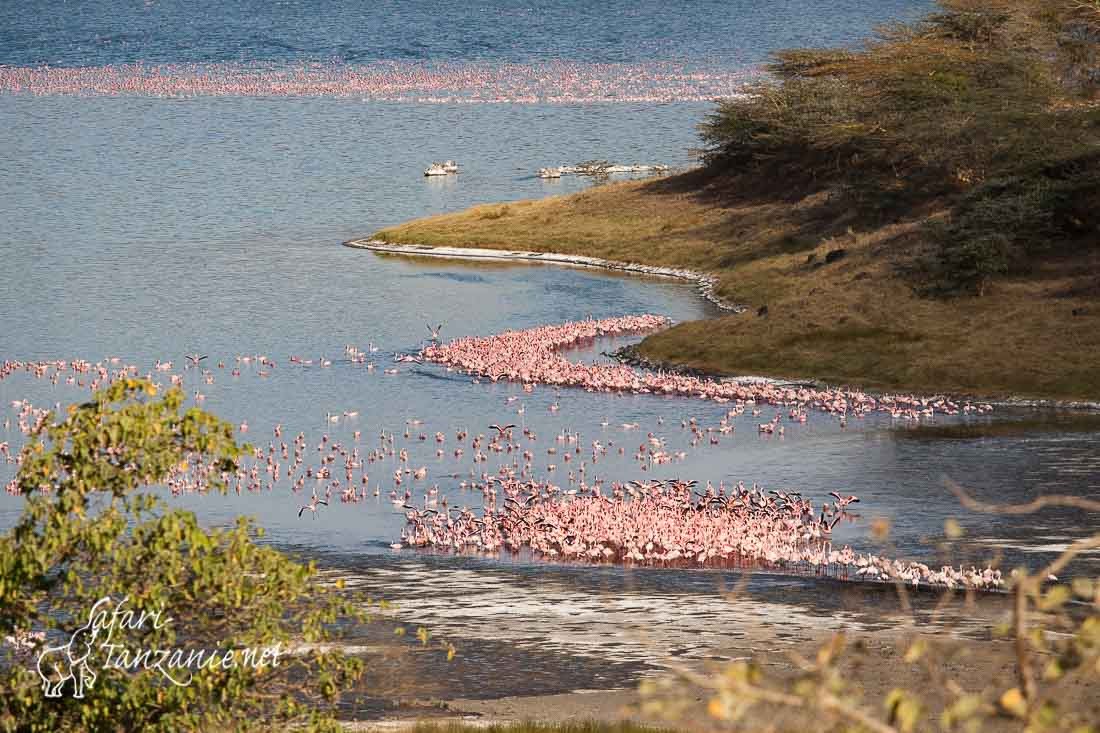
(705, 282)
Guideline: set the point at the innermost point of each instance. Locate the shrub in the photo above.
(88, 531)
(968, 110)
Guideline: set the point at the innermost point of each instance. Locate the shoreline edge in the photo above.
(706, 283)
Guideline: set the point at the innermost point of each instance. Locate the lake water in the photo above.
(733, 34)
(147, 228)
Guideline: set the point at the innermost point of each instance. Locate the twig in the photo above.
(1023, 662)
(838, 706)
(1081, 545)
(1033, 506)
(825, 700)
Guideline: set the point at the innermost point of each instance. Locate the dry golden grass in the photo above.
(857, 320)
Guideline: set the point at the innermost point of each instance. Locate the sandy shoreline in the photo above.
(705, 282)
(873, 666)
(569, 707)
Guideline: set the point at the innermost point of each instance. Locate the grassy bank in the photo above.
(853, 320)
(921, 215)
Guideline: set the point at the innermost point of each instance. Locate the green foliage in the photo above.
(1004, 223)
(903, 710)
(972, 110)
(88, 532)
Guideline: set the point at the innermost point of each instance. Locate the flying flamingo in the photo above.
(312, 506)
(503, 432)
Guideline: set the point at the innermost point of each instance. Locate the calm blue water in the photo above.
(175, 31)
(149, 228)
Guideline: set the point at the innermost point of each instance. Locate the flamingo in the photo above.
(312, 506)
(503, 431)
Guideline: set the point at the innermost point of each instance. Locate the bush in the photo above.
(89, 532)
(967, 111)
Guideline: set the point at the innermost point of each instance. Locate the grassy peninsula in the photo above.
(921, 214)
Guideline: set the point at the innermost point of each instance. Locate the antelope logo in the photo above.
(59, 664)
(73, 660)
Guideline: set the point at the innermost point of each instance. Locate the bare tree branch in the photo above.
(1033, 506)
(1081, 545)
(824, 700)
(1023, 645)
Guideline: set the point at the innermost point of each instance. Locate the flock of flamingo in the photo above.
(426, 82)
(586, 518)
(531, 357)
(670, 524)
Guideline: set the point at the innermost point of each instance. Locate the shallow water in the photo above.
(150, 228)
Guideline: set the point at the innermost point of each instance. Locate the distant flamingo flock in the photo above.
(423, 82)
(586, 518)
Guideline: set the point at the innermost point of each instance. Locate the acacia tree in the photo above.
(983, 111)
(88, 530)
